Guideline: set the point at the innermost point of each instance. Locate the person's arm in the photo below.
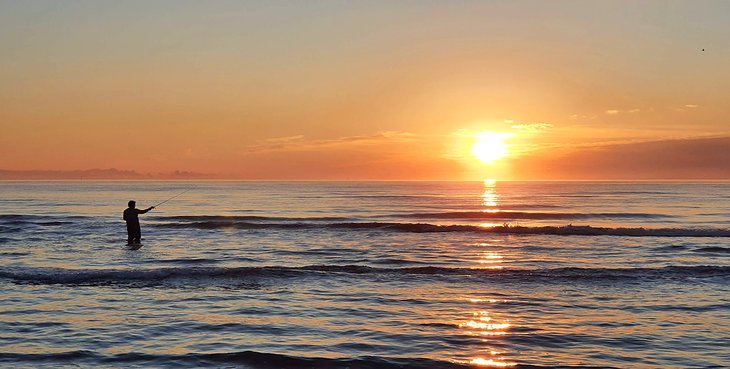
(146, 210)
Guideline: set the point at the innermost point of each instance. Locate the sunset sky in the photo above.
(369, 89)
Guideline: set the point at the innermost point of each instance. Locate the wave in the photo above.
(6, 230)
(253, 275)
(616, 192)
(520, 206)
(239, 218)
(714, 250)
(432, 198)
(496, 214)
(30, 217)
(568, 230)
(249, 359)
(499, 214)
(39, 220)
(244, 359)
(186, 261)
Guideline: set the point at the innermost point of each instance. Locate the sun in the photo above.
(490, 146)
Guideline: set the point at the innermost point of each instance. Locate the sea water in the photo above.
(366, 275)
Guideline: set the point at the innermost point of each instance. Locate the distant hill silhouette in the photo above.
(111, 173)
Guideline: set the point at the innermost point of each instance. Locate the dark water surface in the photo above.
(366, 275)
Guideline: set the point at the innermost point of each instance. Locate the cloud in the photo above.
(301, 143)
(685, 107)
(277, 140)
(582, 116)
(384, 155)
(626, 111)
(532, 126)
(688, 158)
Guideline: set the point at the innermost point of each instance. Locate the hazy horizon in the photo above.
(111, 174)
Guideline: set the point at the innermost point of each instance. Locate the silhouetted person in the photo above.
(131, 215)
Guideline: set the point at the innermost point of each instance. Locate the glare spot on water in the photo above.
(491, 260)
(481, 324)
(490, 362)
(489, 196)
(475, 300)
(490, 225)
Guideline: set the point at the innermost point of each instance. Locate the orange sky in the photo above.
(370, 90)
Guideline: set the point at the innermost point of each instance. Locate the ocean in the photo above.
(366, 275)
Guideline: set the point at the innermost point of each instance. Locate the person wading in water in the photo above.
(131, 215)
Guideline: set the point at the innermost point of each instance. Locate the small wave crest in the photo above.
(39, 220)
(246, 359)
(568, 230)
(240, 218)
(714, 250)
(501, 214)
(255, 274)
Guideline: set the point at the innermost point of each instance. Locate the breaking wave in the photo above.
(499, 214)
(567, 230)
(253, 275)
(238, 218)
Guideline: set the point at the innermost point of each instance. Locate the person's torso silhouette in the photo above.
(131, 216)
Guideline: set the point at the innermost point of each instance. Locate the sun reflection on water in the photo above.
(490, 225)
(491, 260)
(481, 324)
(485, 300)
(488, 326)
(489, 195)
(490, 362)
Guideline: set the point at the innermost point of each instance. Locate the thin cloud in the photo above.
(582, 116)
(532, 126)
(285, 139)
(618, 111)
(300, 142)
(685, 108)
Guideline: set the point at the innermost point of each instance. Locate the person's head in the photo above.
(131, 204)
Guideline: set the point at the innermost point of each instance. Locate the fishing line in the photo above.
(154, 206)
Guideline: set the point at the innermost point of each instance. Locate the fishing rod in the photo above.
(154, 206)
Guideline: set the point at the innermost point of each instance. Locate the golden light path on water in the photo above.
(485, 326)
(491, 260)
(483, 323)
(490, 200)
(489, 196)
